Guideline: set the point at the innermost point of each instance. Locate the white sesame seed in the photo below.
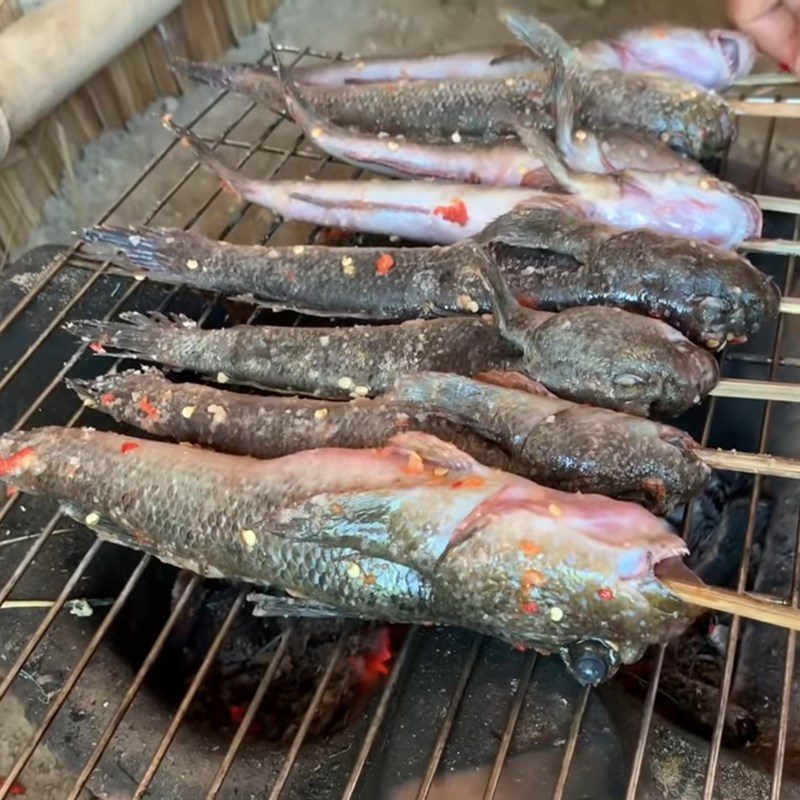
(249, 538)
(92, 519)
(316, 133)
(456, 137)
(325, 340)
(556, 614)
(393, 145)
(222, 377)
(298, 249)
(321, 413)
(192, 264)
(353, 570)
(361, 391)
(135, 240)
(345, 382)
(187, 412)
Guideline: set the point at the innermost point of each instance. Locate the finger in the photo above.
(774, 26)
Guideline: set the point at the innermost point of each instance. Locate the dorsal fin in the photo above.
(514, 380)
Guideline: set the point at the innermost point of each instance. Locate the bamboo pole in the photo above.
(758, 390)
(767, 79)
(742, 605)
(790, 305)
(784, 205)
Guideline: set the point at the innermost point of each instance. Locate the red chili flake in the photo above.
(236, 714)
(528, 302)
(784, 67)
(17, 460)
(128, 447)
(456, 212)
(229, 189)
(384, 264)
(96, 347)
(148, 409)
(16, 788)
(108, 399)
(520, 648)
(472, 482)
(530, 608)
(529, 548)
(605, 593)
(11, 491)
(655, 488)
(532, 578)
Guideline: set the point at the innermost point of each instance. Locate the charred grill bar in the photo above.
(41, 356)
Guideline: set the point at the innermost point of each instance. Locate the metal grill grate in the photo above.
(30, 338)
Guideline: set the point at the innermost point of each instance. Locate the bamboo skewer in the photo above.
(784, 205)
(752, 463)
(767, 79)
(781, 247)
(790, 305)
(743, 605)
(757, 390)
(766, 107)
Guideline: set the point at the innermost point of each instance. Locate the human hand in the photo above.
(775, 26)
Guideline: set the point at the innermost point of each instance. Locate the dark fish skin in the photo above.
(553, 442)
(577, 448)
(550, 260)
(270, 427)
(696, 121)
(602, 356)
(415, 531)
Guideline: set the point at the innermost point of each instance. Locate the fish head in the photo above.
(569, 573)
(714, 59)
(620, 360)
(721, 296)
(687, 203)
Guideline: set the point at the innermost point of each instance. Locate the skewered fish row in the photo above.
(520, 428)
(550, 260)
(416, 531)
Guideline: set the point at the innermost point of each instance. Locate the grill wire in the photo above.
(91, 277)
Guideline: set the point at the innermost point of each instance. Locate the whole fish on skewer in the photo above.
(714, 59)
(411, 532)
(673, 202)
(551, 261)
(604, 356)
(681, 114)
(505, 163)
(526, 430)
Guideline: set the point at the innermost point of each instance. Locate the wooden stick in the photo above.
(753, 463)
(766, 107)
(767, 79)
(758, 390)
(790, 305)
(743, 605)
(782, 247)
(785, 205)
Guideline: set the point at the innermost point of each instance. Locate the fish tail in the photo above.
(238, 78)
(540, 37)
(97, 391)
(233, 182)
(134, 335)
(169, 251)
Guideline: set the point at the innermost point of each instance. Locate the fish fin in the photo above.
(539, 144)
(92, 390)
(106, 528)
(514, 380)
(267, 605)
(419, 388)
(233, 182)
(540, 37)
(165, 251)
(434, 452)
(134, 334)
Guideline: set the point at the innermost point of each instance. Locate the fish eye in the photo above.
(591, 661)
(629, 380)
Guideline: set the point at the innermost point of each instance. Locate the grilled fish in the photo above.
(550, 441)
(714, 59)
(415, 531)
(604, 356)
(693, 119)
(551, 261)
(671, 203)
